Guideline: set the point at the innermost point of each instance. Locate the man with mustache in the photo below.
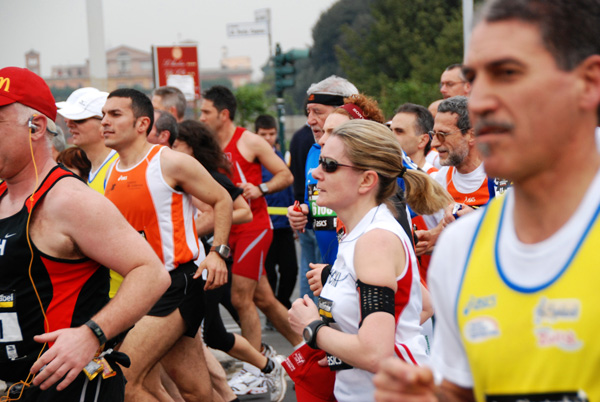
(515, 284)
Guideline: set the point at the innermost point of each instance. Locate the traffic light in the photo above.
(284, 67)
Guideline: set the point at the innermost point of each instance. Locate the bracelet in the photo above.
(91, 324)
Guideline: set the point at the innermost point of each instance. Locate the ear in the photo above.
(224, 115)
(163, 137)
(471, 136)
(142, 124)
(40, 123)
(590, 75)
(173, 111)
(369, 180)
(423, 140)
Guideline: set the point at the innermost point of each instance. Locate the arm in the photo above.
(377, 261)
(185, 172)
(206, 220)
(427, 311)
(398, 381)
(93, 227)
(260, 149)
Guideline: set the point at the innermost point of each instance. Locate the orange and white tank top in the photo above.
(163, 215)
(479, 197)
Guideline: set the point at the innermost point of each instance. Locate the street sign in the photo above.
(177, 66)
(247, 29)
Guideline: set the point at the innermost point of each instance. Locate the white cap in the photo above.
(83, 103)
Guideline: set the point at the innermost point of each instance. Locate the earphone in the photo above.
(32, 127)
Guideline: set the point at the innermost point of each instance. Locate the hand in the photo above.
(298, 219)
(314, 277)
(217, 271)
(424, 245)
(449, 216)
(303, 312)
(73, 349)
(251, 192)
(398, 381)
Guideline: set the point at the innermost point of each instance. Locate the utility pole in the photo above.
(95, 23)
(467, 24)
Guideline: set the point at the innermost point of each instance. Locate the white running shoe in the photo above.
(276, 382)
(270, 352)
(249, 381)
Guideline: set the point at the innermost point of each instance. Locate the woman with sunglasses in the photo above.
(371, 303)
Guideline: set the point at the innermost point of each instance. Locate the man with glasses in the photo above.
(453, 83)
(82, 112)
(462, 173)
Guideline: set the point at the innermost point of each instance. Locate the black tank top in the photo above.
(71, 291)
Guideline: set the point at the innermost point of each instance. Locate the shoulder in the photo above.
(65, 192)
(453, 246)
(255, 141)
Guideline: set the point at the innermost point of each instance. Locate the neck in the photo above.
(97, 154)
(22, 185)
(225, 133)
(353, 214)
(418, 158)
(132, 154)
(471, 162)
(545, 202)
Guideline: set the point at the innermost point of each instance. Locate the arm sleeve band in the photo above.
(374, 299)
(325, 274)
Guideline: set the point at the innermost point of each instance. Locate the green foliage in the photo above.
(252, 100)
(399, 57)
(327, 34)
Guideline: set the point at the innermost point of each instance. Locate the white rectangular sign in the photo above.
(247, 29)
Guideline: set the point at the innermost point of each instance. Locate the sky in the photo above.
(58, 28)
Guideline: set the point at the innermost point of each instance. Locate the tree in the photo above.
(251, 101)
(400, 55)
(327, 34)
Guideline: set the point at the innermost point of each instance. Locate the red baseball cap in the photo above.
(25, 87)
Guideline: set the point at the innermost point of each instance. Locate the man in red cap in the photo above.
(56, 238)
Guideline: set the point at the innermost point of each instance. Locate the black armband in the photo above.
(374, 299)
(325, 274)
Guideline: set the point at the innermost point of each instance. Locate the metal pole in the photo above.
(269, 31)
(467, 6)
(281, 119)
(95, 23)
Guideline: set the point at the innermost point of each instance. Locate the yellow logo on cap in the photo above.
(5, 82)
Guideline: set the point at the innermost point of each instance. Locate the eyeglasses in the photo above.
(440, 135)
(78, 122)
(450, 84)
(330, 165)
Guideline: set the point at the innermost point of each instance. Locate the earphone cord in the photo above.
(27, 382)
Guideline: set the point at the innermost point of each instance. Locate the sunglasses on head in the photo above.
(331, 165)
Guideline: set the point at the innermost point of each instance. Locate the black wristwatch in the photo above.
(264, 189)
(310, 332)
(223, 250)
(91, 324)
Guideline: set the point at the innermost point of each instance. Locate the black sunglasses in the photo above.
(330, 165)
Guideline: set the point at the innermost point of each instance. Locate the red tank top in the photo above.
(243, 171)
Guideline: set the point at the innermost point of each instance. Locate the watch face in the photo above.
(307, 334)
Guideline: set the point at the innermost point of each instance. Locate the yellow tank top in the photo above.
(537, 344)
(97, 182)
